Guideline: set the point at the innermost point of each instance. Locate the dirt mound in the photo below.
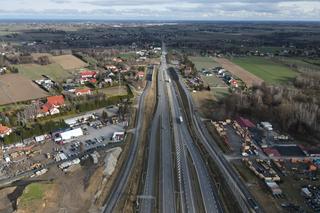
(5, 203)
(47, 203)
(111, 161)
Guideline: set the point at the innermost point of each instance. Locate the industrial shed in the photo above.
(69, 134)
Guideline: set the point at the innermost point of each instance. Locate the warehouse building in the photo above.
(69, 134)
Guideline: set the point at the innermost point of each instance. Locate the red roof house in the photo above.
(234, 83)
(57, 100)
(93, 80)
(84, 91)
(88, 74)
(140, 74)
(4, 130)
(46, 108)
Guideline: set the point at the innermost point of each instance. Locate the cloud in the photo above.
(164, 9)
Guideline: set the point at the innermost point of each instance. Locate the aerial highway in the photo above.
(185, 145)
(209, 197)
(160, 124)
(169, 128)
(186, 192)
(168, 106)
(121, 182)
(167, 174)
(241, 192)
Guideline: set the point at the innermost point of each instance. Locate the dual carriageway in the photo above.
(176, 175)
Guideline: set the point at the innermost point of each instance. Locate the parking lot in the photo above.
(93, 138)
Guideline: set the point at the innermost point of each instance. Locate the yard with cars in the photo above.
(31, 154)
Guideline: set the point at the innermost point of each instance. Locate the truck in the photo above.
(180, 119)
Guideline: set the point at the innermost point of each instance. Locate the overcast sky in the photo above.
(162, 9)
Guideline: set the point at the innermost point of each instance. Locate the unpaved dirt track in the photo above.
(248, 78)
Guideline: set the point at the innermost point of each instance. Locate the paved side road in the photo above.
(241, 192)
(121, 182)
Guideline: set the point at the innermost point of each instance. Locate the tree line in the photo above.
(294, 109)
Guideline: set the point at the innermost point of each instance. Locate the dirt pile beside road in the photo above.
(110, 161)
(72, 192)
(5, 203)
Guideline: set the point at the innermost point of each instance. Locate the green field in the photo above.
(203, 62)
(114, 91)
(220, 93)
(315, 61)
(266, 69)
(35, 71)
(213, 81)
(7, 30)
(32, 193)
(307, 64)
(127, 56)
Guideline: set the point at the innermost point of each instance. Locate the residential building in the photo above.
(4, 131)
(140, 75)
(84, 91)
(57, 100)
(108, 80)
(112, 68)
(48, 109)
(91, 80)
(51, 107)
(117, 60)
(88, 74)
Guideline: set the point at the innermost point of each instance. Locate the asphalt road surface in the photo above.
(210, 201)
(160, 124)
(122, 180)
(243, 196)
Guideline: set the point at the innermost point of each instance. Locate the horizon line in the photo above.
(157, 20)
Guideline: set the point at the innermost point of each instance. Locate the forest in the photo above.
(295, 109)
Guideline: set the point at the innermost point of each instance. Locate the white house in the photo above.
(118, 136)
(84, 91)
(108, 80)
